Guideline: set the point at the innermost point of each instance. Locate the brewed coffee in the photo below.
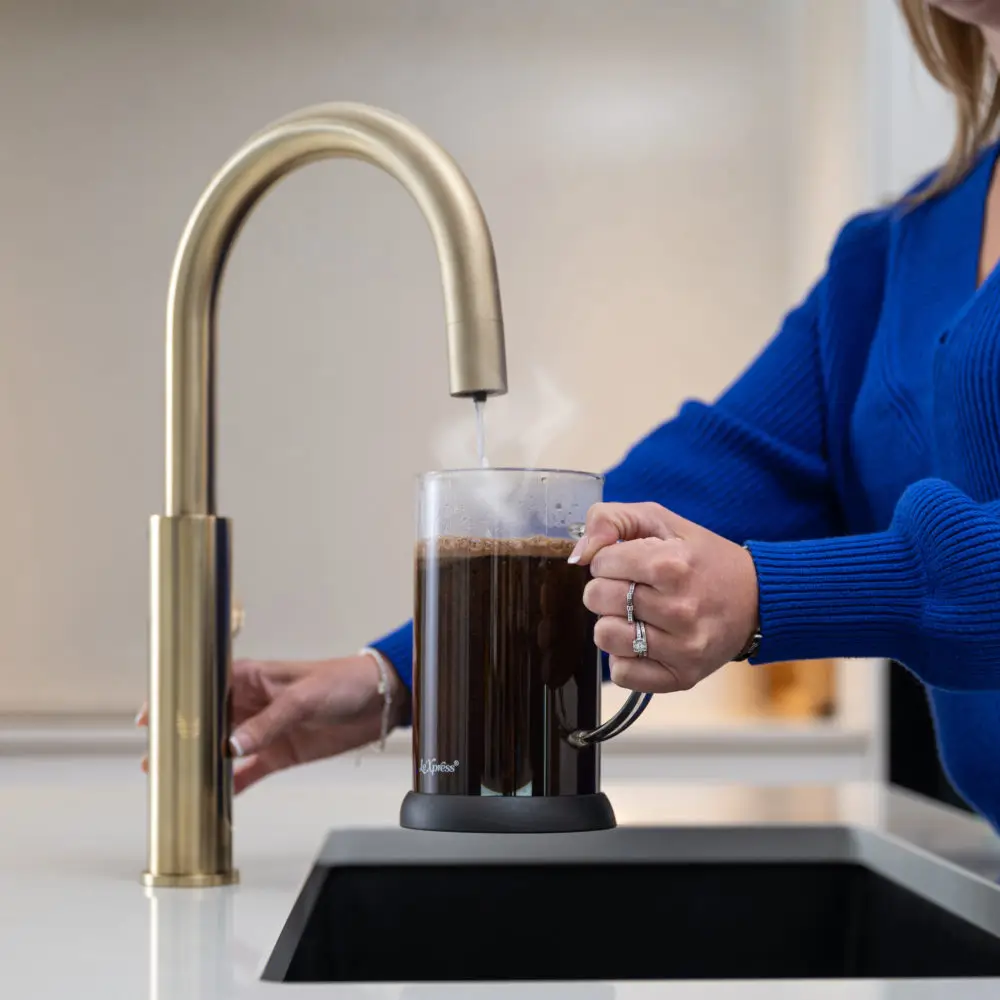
(501, 628)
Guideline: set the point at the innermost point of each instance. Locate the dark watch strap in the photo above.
(752, 646)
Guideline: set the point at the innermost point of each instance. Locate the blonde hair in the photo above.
(955, 55)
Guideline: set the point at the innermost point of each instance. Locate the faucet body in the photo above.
(190, 770)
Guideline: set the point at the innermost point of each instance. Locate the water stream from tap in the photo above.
(484, 462)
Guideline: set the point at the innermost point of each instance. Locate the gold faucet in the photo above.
(190, 769)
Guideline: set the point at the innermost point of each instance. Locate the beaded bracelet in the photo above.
(384, 689)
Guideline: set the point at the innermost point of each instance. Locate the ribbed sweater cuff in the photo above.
(859, 596)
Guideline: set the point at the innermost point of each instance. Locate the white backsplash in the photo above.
(640, 171)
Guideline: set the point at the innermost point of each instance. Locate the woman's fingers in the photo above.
(615, 636)
(647, 676)
(663, 564)
(608, 523)
(248, 771)
(142, 719)
(608, 597)
(655, 672)
(672, 615)
(293, 705)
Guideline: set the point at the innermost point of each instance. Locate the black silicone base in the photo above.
(507, 813)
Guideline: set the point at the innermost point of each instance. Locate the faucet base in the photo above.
(152, 881)
(190, 769)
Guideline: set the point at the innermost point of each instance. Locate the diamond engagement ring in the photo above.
(639, 646)
(629, 605)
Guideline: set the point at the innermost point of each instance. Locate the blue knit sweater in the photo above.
(859, 457)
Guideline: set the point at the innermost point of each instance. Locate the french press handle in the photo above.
(634, 706)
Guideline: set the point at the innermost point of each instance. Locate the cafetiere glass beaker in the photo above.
(507, 679)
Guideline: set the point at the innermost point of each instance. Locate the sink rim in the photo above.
(962, 893)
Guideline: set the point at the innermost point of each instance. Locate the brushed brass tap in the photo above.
(190, 770)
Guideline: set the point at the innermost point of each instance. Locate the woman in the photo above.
(842, 498)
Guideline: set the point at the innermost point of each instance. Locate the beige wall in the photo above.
(635, 161)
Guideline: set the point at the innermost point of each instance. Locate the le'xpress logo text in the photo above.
(433, 766)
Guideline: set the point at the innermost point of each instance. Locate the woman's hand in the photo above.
(695, 591)
(290, 713)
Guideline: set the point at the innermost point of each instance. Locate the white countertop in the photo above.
(662, 732)
(75, 921)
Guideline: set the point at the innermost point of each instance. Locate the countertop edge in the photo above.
(112, 736)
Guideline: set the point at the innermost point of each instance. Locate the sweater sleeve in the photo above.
(755, 461)
(752, 463)
(923, 592)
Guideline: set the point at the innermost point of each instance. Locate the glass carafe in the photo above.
(507, 678)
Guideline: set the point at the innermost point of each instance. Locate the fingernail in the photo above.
(138, 717)
(574, 556)
(234, 745)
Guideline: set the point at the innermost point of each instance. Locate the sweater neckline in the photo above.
(977, 189)
(985, 169)
(957, 221)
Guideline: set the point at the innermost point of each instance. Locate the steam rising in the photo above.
(523, 430)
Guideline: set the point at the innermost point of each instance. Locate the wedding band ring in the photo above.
(639, 646)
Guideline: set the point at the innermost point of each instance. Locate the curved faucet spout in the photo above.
(477, 364)
(190, 770)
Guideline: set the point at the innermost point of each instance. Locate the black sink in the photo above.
(444, 922)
